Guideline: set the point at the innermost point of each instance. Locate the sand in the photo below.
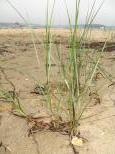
(18, 59)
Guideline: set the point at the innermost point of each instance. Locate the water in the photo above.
(37, 26)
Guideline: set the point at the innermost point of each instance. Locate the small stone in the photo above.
(26, 79)
(77, 141)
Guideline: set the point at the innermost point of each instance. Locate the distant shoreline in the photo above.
(37, 26)
(66, 29)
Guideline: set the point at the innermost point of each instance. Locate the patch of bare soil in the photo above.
(109, 47)
(19, 136)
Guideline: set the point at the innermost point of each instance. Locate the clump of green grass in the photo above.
(78, 73)
(11, 96)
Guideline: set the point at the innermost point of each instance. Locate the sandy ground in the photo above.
(18, 59)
